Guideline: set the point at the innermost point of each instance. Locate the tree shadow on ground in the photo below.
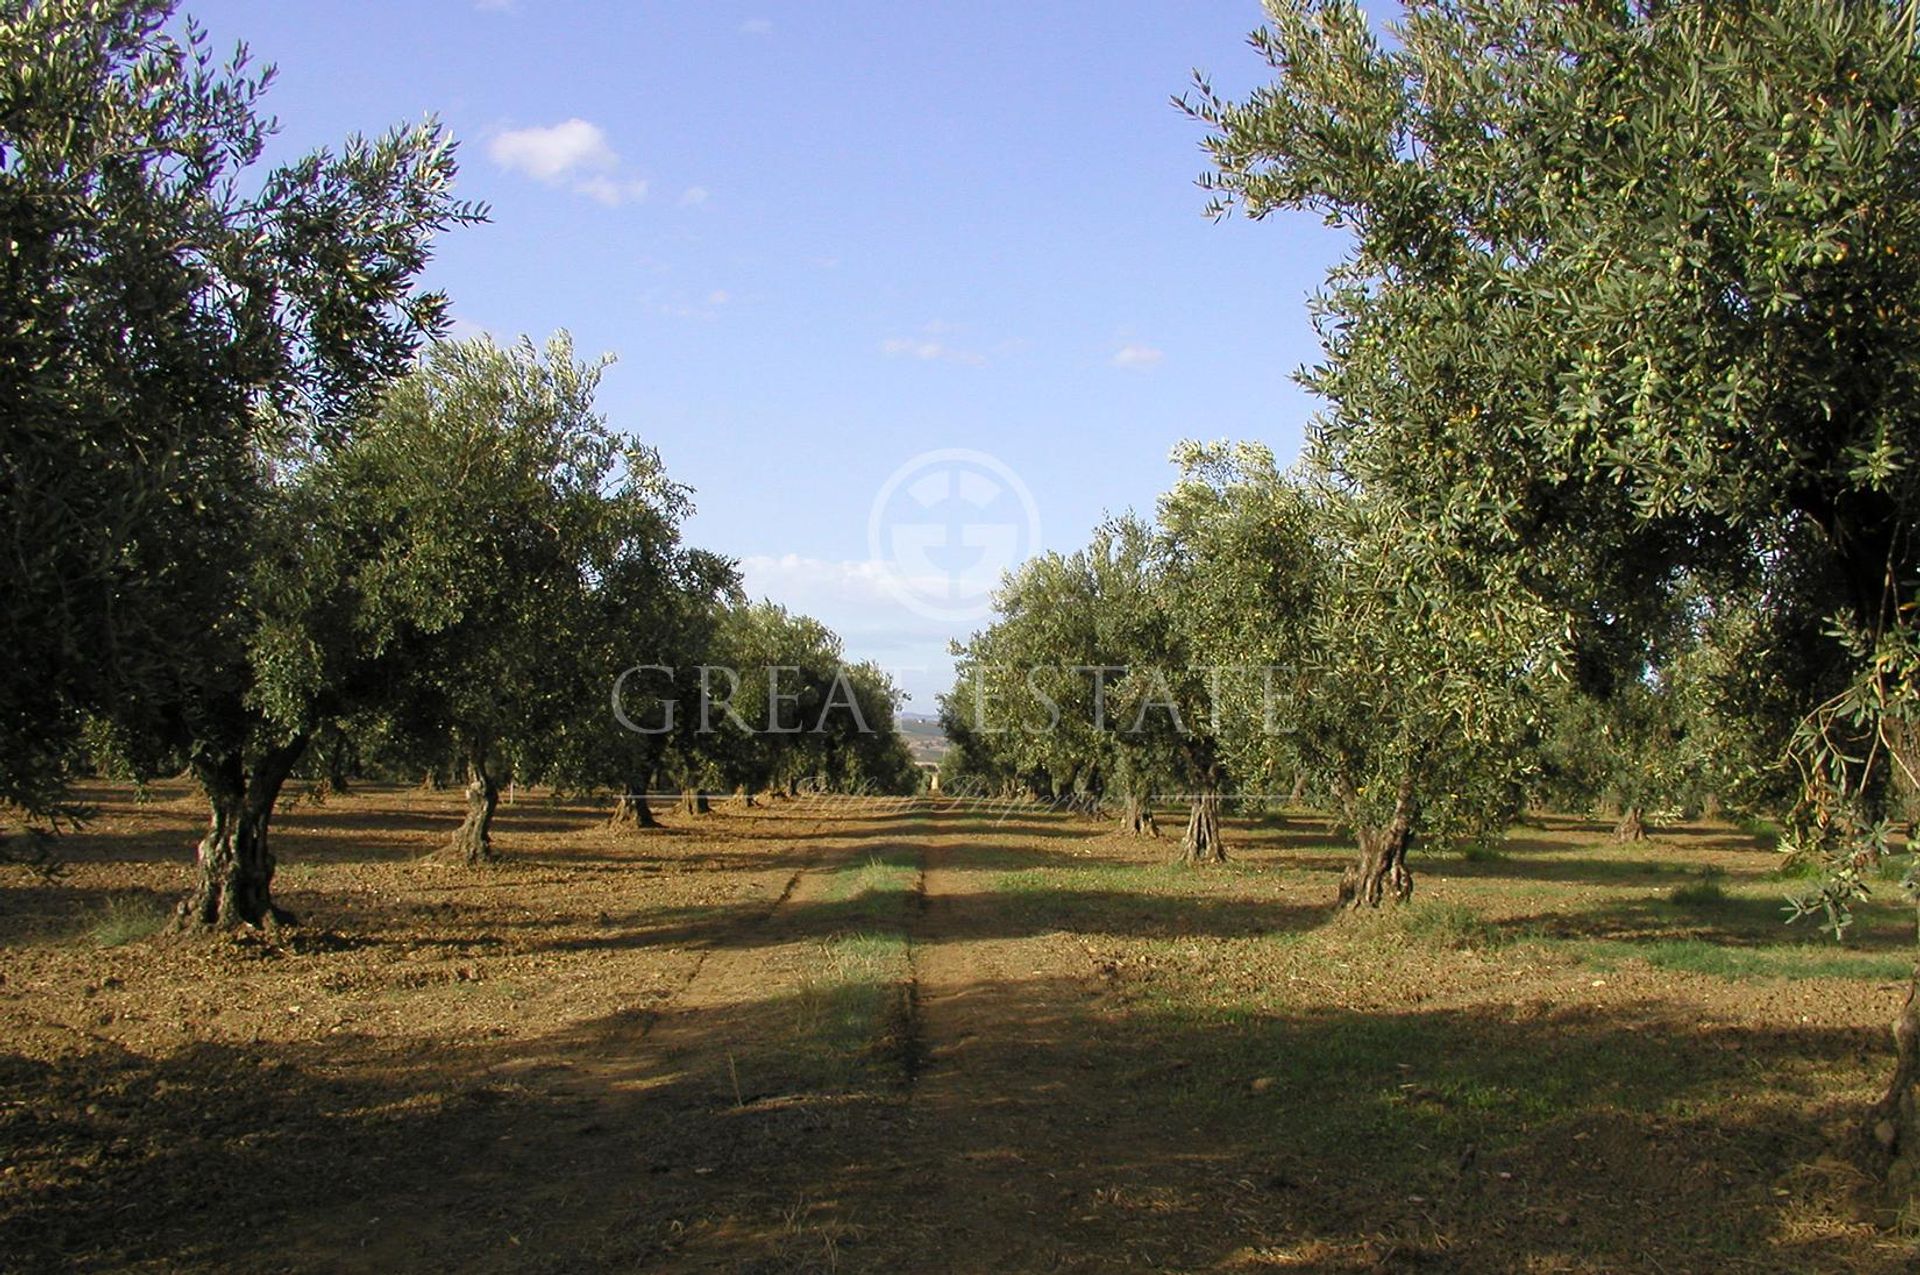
(1733, 922)
(38, 911)
(1559, 864)
(1071, 1136)
(1111, 913)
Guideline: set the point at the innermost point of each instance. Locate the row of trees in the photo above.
(1619, 432)
(1269, 636)
(258, 518)
(1277, 637)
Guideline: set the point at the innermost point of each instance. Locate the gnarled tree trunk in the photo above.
(1903, 773)
(1632, 825)
(1892, 1127)
(631, 811)
(335, 767)
(694, 802)
(1891, 1134)
(1136, 817)
(1382, 865)
(234, 882)
(473, 841)
(1201, 842)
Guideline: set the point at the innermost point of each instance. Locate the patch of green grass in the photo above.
(1705, 890)
(1765, 832)
(1788, 961)
(871, 894)
(127, 919)
(849, 1024)
(851, 1016)
(1446, 925)
(1895, 867)
(1798, 867)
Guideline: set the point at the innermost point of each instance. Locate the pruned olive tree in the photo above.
(512, 527)
(863, 751)
(1088, 681)
(1238, 545)
(1632, 296)
(769, 703)
(782, 672)
(660, 631)
(1350, 650)
(1160, 703)
(178, 324)
(1036, 687)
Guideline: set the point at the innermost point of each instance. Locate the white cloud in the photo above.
(719, 296)
(773, 575)
(693, 197)
(928, 348)
(865, 596)
(1133, 354)
(901, 347)
(611, 191)
(573, 152)
(757, 26)
(549, 154)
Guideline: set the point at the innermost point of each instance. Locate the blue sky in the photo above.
(824, 239)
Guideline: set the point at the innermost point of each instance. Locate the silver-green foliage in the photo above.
(1629, 306)
(167, 306)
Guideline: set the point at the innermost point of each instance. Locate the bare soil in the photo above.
(914, 1038)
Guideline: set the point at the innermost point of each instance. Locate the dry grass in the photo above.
(794, 1039)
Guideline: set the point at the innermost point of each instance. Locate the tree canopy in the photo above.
(514, 535)
(1629, 300)
(170, 310)
(1629, 315)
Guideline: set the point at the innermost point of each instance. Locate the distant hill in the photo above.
(923, 735)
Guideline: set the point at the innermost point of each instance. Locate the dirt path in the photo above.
(1036, 1160)
(1001, 1114)
(1003, 1147)
(679, 1136)
(624, 1053)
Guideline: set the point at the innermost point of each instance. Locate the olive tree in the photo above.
(1089, 677)
(775, 704)
(511, 528)
(1631, 296)
(1352, 652)
(178, 321)
(1037, 687)
(659, 633)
